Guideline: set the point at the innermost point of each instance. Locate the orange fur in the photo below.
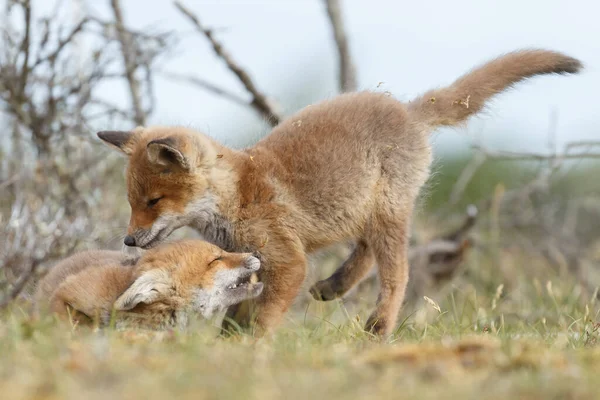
(347, 168)
(89, 285)
(71, 266)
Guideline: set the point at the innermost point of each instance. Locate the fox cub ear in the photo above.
(168, 152)
(148, 288)
(118, 139)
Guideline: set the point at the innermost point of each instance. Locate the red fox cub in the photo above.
(167, 284)
(349, 168)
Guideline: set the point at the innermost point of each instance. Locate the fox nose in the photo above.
(252, 263)
(129, 241)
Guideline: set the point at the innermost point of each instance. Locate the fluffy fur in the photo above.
(167, 284)
(346, 168)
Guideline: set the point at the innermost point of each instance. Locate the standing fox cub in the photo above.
(159, 291)
(347, 168)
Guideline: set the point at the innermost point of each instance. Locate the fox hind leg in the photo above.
(388, 238)
(347, 275)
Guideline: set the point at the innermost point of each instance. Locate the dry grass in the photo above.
(530, 338)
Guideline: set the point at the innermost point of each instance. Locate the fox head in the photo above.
(167, 285)
(192, 275)
(171, 180)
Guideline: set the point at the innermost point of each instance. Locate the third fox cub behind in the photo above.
(347, 168)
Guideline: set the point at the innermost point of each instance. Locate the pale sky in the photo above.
(411, 46)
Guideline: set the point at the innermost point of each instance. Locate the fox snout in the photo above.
(146, 229)
(129, 241)
(252, 263)
(148, 237)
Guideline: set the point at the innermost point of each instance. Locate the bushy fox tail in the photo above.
(467, 96)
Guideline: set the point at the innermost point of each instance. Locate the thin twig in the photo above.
(259, 101)
(465, 178)
(206, 85)
(128, 51)
(20, 284)
(582, 143)
(460, 233)
(49, 102)
(515, 156)
(25, 49)
(346, 66)
(542, 179)
(62, 43)
(9, 181)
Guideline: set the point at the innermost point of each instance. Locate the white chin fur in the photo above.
(161, 229)
(200, 212)
(132, 252)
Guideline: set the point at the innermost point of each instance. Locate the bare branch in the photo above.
(346, 66)
(206, 85)
(9, 181)
(465, 178)
(50, 102)
(61, 44)
(108, 108)
(25, 48)
(540, 182)
(20, 284)
(449, 246)
(461, 232)
(259, 101)
(515, 156)
(128, 51)
(582, 143)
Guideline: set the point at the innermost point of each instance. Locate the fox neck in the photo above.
(235, 180)
(209, 214)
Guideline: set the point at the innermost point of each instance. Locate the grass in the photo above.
(525, 339)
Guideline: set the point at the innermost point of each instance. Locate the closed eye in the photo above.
(216, 259)
(152, 202)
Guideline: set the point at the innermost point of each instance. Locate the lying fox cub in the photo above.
(158, 291)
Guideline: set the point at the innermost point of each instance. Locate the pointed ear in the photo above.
(148, 288)
(168, 152)
(117, 139)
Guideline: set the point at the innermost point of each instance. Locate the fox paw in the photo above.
(378, 326)
(323, 291)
